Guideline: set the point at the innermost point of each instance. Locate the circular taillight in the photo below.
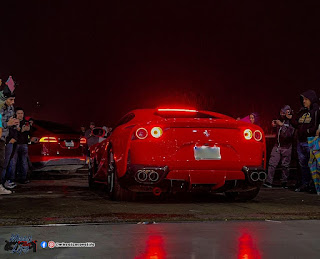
(247, 134)
(156, 132)
(257, 135)
(141, 133)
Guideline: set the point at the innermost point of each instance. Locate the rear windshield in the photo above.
(125, 119)
(185, 115)
(55, 127)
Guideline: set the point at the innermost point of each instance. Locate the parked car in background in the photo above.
(53, 144)
(179, 150)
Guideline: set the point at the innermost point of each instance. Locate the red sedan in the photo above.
(174, 150)
(54, 144)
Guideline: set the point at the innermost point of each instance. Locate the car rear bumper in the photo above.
(143, 178)
(47, 161)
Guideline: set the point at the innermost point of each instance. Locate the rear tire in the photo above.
(242, 196)
(92, 168)
(115, 191)
(91, 182)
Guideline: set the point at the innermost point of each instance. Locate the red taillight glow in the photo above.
(247, 134)
(176, 110)
(141, 133)
(48, 140)
(257, 135)
(156, 132)
(83, 141)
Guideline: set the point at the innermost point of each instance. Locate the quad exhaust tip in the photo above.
(153, 176)
(258, 176)
(150, 175)
(262, 176)
(142, 176)
(254, 176)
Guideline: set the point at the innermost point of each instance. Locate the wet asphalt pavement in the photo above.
(64, 197)
(58, 206)
(235, 239)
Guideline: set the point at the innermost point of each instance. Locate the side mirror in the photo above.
(98, 132)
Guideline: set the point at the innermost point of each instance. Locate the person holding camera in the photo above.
(281, 152)
(306, 122)
(21, 150)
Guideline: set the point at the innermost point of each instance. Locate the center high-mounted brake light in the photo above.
(48, 140)
(176, 110)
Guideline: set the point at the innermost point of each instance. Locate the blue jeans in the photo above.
(20, 155)
(2, 156)
(304, 156)
(7, 174)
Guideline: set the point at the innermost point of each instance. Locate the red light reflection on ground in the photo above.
(247, 248)
(154, 248)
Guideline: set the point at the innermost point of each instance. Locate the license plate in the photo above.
(69, 144)
(207, 153)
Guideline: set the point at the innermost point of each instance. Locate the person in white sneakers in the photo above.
(6, 110)
(2, 154)
(282, 149)
(2, 151)
(8, 122)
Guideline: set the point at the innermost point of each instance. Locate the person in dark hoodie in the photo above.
(282, 149)
(306, 122)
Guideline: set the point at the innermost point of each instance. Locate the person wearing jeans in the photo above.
(20, 154)
(7, 98)
(306, 123)
(8, 176)
(2, 155)
(282, 149)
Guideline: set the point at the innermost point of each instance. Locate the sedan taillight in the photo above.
(83, 141)
(48, 140)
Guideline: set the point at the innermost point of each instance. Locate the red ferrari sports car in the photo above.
(55, 144)
(174, 150)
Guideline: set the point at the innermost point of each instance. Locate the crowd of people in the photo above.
(15, 132)
(298, 132)
(302, 129)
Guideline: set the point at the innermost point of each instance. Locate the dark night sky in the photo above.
(97, 60)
